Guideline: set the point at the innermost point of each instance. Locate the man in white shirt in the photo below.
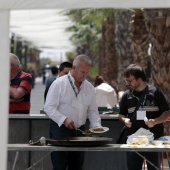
(70, 101)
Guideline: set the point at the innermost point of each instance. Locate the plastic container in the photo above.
(140, 140)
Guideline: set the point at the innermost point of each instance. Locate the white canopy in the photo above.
(7, 5)
(63, 4)
(44, 29)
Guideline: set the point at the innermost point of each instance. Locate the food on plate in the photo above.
(87, 131)
(98, 129)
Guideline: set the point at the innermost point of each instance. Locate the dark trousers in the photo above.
(135, 162)
(62, 160)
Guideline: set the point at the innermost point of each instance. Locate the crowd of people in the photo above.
(70, 99)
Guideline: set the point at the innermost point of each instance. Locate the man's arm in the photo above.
(162, 118)
(15, 100)
(125, 120)
(24, 87)
(121, 118)
(163, 107)
(16, 93)
(52, 102)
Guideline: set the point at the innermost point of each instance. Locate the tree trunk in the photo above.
(140, 41)
(110, 50)
(108, 66)
(102, 51)
(123, 44)
(158, 22)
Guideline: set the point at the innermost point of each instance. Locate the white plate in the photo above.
(105, 129)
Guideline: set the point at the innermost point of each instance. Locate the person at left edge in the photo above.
(20, 88)
(70, 101)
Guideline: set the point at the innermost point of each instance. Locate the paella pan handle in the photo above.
(42, 141)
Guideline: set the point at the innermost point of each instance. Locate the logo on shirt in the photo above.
(129, 97)
(150, 103)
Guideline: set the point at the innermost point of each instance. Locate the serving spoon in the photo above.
(85, 132)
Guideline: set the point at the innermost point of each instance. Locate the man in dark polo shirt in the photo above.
(63, 69)
(20, 88)
(154, 107)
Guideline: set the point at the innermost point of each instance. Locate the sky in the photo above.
(54, 56)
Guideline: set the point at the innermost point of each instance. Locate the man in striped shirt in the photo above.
(20, 88)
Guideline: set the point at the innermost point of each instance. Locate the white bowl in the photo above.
(157, 142)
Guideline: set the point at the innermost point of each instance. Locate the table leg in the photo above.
(15, 160)
(147, 160)
(168, 158)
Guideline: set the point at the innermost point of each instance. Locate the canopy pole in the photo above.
(4, 85)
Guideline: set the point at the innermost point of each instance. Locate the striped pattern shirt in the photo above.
(22, 80)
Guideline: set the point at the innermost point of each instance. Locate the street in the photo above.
(37, 96)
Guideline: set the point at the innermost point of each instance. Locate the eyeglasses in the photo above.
(129, 81)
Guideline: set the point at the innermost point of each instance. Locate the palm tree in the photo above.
(111, 59)
(158, 23)
(102, 21)
(85, 35)
(123, 43)
(140, 39)
(108, 66)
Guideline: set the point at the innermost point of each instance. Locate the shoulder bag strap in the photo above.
(138, 104)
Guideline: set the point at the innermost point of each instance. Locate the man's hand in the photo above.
(128, 123)
(17, 93)
(69, 124)
(150, 123)
(125, 120)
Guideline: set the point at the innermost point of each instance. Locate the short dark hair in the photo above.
(54, 70)
(98, 80)
(65, 64)
(135, 70)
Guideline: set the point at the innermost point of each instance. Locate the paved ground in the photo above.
(37, 96)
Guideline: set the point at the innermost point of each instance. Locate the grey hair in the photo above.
(81, 58)
(14, 60)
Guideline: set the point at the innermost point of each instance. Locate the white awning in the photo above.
(44, 29)
(72, 4)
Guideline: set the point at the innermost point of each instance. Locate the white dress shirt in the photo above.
(62, 103)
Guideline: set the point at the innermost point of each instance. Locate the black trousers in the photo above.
(65, 160)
